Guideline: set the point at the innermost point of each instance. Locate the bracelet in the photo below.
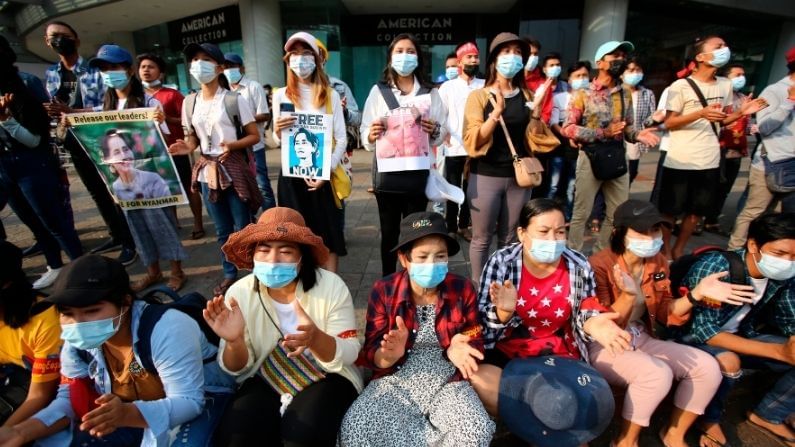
(692, 299)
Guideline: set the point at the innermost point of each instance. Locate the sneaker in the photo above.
(108, 245)
(33, 250)
(47, 278)
(127, 256)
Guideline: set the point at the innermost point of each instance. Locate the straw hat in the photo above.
(275, 224)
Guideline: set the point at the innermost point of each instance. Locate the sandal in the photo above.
(197, 234)
(176, 281)
(220, 289)
(146, 282)
(767, 432)
(712, 440)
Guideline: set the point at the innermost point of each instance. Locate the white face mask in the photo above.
(302, 65)
(203, 71)
(775, 268)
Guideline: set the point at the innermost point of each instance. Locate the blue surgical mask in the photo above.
(532, 62)
(428, 275)
(553, 71)
(275, 275)
(404, 63)
(90, 334)
(116, 79)
(303, 65)
(151, 84)
(546, 251)
(579, 84)
(633, 79)
(720, 57)
(775, 268)
(644, 248)
(233, 75)
(203, 71)
(451, 73)
(738, 83)
(509, 64)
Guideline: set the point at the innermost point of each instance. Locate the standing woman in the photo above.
(494, 197)
(221, 173)
(400, 193)
(154, 230)
(308, 91)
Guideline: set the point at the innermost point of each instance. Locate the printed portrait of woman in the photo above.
(131, 183)
(403, 136)
(305, 145)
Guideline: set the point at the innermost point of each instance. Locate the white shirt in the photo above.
(288, 319)
(454, 94)
(255, 96)
(213, 125)
(665, 139)
(306, 106)
(375, 108)
(733, 324)
(560, 107)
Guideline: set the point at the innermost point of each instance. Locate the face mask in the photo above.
(633, 79)
(404, 63)
(509, 64)
(451, 73)
(775, 268)
(581, 83)
(428, 275)
(302, 66)
(90, 334)
(151, 84)
(116, 79)
(738, 83)
(720, 57)
(233, 75)
(203, 71)
(617, 67)
(532, 62)
(552, 72)
(471, 70)
(546, 251)
(275, 274)
(64, 46)
(644, 248)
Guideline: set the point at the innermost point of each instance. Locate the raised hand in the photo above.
(376, 130)
(751, 106)
(428, 126)
(624, 282)
(463, 356)
(393, 346)
(283, 122)
(305, 338)
(713, 113)
(711, 287)
(605, 331)
(503, 296)
(225, 321)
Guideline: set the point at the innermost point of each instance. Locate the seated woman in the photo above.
(537, 298)
(30, 341)
(423, 342)
(288, 333)
(107, 396)
(632, 278)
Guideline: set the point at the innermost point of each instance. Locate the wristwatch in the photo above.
(692, 299)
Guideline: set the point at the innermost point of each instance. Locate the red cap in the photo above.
(791, 55)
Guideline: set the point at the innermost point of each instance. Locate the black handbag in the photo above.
(779, 175)
(608, 159)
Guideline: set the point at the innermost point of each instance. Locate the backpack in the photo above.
(680, 268)
(232, 111)
(191, 304)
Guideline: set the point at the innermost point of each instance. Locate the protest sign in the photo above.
(307, 147)
(404, 146)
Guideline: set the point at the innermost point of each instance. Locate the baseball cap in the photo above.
(638, 215)
(613, 45)
(233, 58)
(112, 54)
(88, 280)
(302, 36)
(211, 49)
(418, 225)
(791, 55)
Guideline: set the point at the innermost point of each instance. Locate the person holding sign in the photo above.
(400, 178)
(310, 125)
(154, 230)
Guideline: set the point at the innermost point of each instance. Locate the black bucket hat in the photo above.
(418, 225)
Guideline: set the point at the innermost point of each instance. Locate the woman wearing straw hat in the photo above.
(288, 334)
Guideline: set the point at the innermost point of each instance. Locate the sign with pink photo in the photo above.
(404, 146)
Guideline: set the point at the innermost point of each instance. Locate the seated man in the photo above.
(730, 333)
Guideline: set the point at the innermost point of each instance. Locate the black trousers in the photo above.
(729, 168)
(454, 174)
(392, 208)
(110, 212)
(312, 419)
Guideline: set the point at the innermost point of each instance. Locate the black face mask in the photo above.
(63, 45)
(471, 70)
(617, 67)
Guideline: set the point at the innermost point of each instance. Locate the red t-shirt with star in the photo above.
(544, 305)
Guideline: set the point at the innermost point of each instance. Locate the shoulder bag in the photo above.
(527, 170)
(779, 175)
(608, 158)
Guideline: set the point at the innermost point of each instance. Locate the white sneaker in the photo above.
(47, 278)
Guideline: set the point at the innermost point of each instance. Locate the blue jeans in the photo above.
(230, 214)
(555, 168)
(34, 191)
(199, 431)
(121, 437)
(264, 183)
(777, 404)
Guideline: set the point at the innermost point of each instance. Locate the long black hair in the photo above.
(17, 296)
(25, 108)
(136, 97)
(390, 76)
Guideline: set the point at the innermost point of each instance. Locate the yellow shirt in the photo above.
(36, 346)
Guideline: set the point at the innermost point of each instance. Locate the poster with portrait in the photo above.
(404, 146)
(128, 150)
(307, 147)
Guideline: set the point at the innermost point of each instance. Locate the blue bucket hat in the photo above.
(554, 401)
(233, 58)
(112, 54)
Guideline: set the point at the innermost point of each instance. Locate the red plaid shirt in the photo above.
(456, 312)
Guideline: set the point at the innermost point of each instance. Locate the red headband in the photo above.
(467, 48)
